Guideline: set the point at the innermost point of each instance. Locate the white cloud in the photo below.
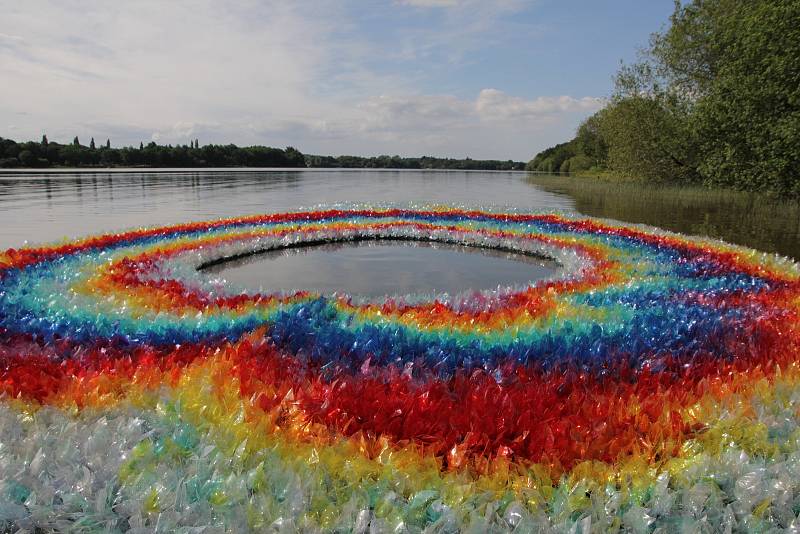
(447, 125)
(401, 112)
(440, 111)
(494, 104)
(271, 72)
(189, 63)
(4, 37)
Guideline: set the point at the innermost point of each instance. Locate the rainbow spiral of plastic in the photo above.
(653, 383)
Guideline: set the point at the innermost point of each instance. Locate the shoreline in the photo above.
(166, 170)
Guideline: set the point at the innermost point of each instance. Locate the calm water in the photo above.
(380, 268)
(757, 221)
(43, 207)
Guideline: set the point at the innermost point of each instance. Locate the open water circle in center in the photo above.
(377, 268)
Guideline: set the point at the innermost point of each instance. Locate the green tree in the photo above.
(590, 142)
(649, 139)
(748, 120)
(726, 78)
(552, 159)
(91, 144)
(75, 141)
(27, 158)
(714, 98)
(44, 140)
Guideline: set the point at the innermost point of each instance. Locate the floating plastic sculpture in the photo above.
(654, 383)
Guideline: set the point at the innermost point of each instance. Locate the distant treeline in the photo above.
(46, 153)
(713, 100)
(50, 154)
(425, 162)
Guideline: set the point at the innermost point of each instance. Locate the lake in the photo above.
(42, 207)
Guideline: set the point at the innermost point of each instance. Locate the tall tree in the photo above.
(748, 120)
(75, 141)
(108, 143)
(91, 144)
(714, 98)
(590, 140)
(729, 72)
(44, 140)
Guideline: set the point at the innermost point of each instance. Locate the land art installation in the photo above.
(653, 382)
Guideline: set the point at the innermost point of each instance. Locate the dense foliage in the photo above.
(554, 158)
(715, 99)
(425, 162)
(49, 154)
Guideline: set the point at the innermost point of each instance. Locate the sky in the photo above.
(486, 79)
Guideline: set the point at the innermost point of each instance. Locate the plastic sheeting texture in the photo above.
(652, 385)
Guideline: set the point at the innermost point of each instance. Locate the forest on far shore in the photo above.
(45, 153)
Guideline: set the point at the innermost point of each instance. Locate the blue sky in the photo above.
(480, 78)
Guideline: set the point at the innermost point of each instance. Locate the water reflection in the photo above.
(756, 221)
(376, 268)
(42, 207)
